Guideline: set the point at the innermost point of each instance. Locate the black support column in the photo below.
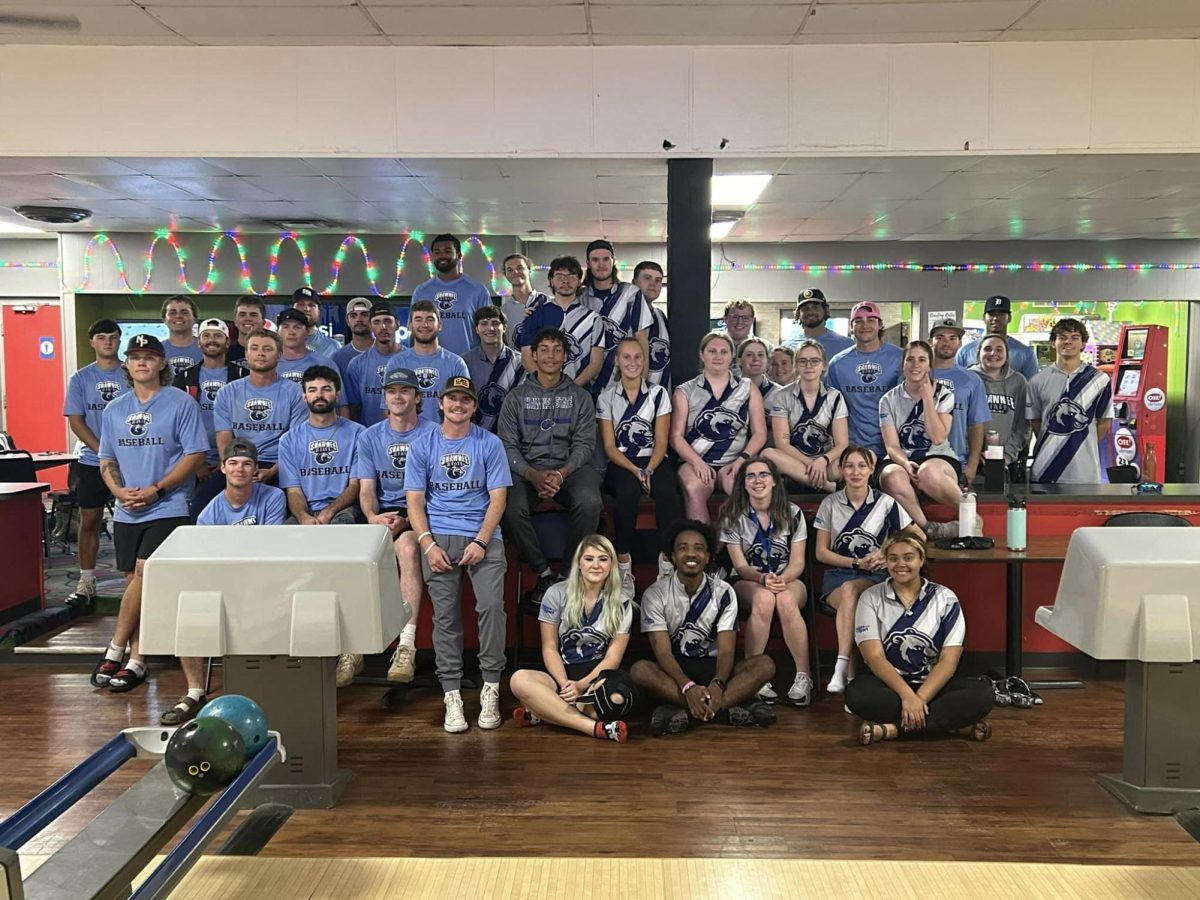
(689, 261)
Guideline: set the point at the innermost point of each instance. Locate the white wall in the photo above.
(39, 283)
(903, 99)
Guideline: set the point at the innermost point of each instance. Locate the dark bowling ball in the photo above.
(204, 756)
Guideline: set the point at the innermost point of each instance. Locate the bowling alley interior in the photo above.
(866, 192)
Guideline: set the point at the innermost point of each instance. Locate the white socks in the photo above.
(195, 693)
(408, 637)
(116, 654)
(837, 684)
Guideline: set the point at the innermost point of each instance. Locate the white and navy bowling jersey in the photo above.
(912, 639)
(659, 364)
(322, 344)
(180, 358)
(261, 415)
(907, 415)
(624, 312)
(382, 455)
(717, 427)
(691, 622)
(266, 506)
(768, 550)
(89, 391)
(810, 429)
(493, 380)
(583, 327)
(515, 314)
(319, 460)
(293, 369)
(633, 423)
(1069, 407)
(858, 532)
(588, 641)
(863, 378)
(148, 440)
(363, 384)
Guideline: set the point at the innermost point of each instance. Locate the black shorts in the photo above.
(137, 540)
(402, 510)
(952, 461)
(701, 669)
(90, 490)
(575, 671)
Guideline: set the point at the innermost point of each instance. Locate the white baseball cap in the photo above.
(213, 325)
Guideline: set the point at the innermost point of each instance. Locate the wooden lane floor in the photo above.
(801, 790)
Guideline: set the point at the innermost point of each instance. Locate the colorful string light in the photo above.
(12, 264)
(212, 275)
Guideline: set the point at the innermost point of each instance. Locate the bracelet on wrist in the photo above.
(482, 545)
(687, 687)
(432, 544)
(423, 535)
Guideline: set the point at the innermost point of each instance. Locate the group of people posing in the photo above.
(492, 410)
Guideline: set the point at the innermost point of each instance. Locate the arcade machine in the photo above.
(1139, 382)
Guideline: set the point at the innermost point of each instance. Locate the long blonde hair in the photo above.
(610, 592)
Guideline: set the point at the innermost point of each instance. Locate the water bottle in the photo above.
(1149, 465)
(993, 464)
(966, 515)
(1016, 523)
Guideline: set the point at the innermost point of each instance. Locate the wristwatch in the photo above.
(744, 455)
(854, 564)
(718, 682)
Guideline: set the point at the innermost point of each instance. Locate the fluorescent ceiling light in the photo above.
(15, 228)
(737, 190)
(718, 231)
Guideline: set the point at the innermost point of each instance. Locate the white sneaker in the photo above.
(84, 593)
(455, 721)
(348, 666)
(767, 694)
(801, 690)
(403, 664)
(837, 684)
(489, 700)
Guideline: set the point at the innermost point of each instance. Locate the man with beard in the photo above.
(691, 619)
(521, 301)
(203, 382)
(363, 387)
(493, 367)
(864, 373)
(623, 310)
(812, 312)
(308, 302)
(971, 411)
(317, 458)
(249, 314)
(179, 315)
(648, 276)
(997, 313)
(457, 481)
(567, 313)
(292, 327)
(260, 407)
(151, 446)
(548, 427)
(358, 320)
(455, 297)
(382, 457)
(432, 362)
(89, 391)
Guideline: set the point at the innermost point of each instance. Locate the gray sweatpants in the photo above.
(445, 593)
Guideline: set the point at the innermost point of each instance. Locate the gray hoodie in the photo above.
(1006, 401)
(547, 428)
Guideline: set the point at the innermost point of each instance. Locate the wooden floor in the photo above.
(801, 790)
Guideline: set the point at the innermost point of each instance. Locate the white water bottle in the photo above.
(966, 515)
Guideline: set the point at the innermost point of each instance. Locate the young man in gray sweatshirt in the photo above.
(548, 427)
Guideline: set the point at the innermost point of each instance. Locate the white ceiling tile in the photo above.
(356, 167)
(1104, 34)
(548, 168)
(632, 212)
(1144, 185)
(220, 187)
(977, 186)
(300, 188)
(51, 186)
(402, 187)
(924, 37)
(561, 211)
(690, 21)
(915, 18)
(791, 211)
(170, 166)
(267, 21)
(453, 168)
(478, 190)
(632, 188)
(95, 21)
(261, 165)
(892, 186)
(550, 190)
(58, 165)
(506, 21)
(806, 187)
(294, 40)
(1068, 15)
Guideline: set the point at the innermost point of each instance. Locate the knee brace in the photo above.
(613, 695)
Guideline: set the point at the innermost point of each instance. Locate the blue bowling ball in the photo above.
(246, 717)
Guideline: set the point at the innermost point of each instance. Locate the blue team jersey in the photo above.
(89, 391)
(970, 405)
(319, 460)
(293, 369)
(322, 344)
(342, 360)
(148, 440)
(209, 384)
(180, 358)
(260, 415)
(363, 385)
(432, 371)
(456, 475)
(266, 506)
(456, 302)
(831, 342)
(863, 379)
(382, 455)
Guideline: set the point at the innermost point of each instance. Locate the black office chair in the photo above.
(1146, 520)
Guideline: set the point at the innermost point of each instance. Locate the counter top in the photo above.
(16, 488)
(1076, 493)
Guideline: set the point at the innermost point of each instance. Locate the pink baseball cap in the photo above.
(865, 310)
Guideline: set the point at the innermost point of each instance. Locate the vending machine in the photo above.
(1139, 379)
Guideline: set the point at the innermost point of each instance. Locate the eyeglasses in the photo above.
(808, 362)
(564, 276)
(757, 476)
(733, 318)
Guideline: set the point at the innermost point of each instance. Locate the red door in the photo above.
(32, 381)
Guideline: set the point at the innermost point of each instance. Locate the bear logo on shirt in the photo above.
(660, 354)
(912, 434)
(211, 388)
(911, 647)
(138, 423)
(869, 372)
(692, 640)
(718, 424)
(426, 377)
(613, 332)
(810, 438)
(1067, 417)
(445, 300)
(399, 455)
(491, 398)
(634, 433)
(455, 464)
(108, 390)
(179, 363)
(294, 376)
(584, 643)
(259, 408)
(574, 348)
(856, 543)
(323, 451)
(758, 557)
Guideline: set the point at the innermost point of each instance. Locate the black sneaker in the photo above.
(531, 603)
(668, 719)
(762, 713)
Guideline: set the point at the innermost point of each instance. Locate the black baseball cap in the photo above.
(997, 303)
(401, 378)
(145, 342)
(239, 447)
(291, 315)
(305, 293)
(381, 309)
(811, 295)
(459, 384)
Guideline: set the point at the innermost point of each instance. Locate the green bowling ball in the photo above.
(204, 756)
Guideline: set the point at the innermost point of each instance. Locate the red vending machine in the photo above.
(1139, 382)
